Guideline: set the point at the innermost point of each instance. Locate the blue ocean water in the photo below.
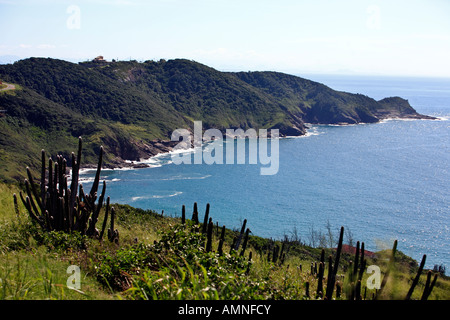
(381, 181)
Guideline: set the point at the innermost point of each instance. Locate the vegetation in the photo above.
(169, 260)
(119, 105)
(317, 103)
(161, 258)
(58, 206)
(125, 106)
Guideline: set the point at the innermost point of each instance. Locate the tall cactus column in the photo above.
(62, 208)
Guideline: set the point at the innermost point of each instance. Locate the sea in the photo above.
(382, 182)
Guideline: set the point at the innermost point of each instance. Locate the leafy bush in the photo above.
(187, 271)
(179, 267)
(114, 269)
(17, 235)
(63, 241)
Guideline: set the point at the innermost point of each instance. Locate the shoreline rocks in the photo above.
(149, 149)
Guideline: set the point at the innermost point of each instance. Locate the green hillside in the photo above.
(128, 107)
(319, 104)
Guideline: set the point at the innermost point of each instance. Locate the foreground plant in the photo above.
(58, 206)
(182, 267)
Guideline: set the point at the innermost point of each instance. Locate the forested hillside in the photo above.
(131, 107)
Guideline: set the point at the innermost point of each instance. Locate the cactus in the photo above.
(244, 245)
(429, 285)
(105, 219)
(332, 273)
(221, 241)
(233, 244)
(58, 206)
(322, 256)
(362, 263)
(183, 214)
(275, 253)
(282, 258)
(330, 285)
(282, 254)
(94, 218)
(209, 233)
(416, 279)
(338, 290)
(307, 290)
(355, 275)
(205, 221)
(113, 234)
(249, 263)
(356, 264)
(338, 251)
(241, 235)
(362, 252)
(319, 292)
(195, 214)
(16, 205)
(357, 293)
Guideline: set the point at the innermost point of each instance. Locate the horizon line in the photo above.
(350, 73)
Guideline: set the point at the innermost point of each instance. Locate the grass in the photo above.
(41, 275)
(7, 212)
(158, 258)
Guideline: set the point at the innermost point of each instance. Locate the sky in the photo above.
(355, 37)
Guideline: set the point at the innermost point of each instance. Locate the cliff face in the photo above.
(131, 108)
(396, 107)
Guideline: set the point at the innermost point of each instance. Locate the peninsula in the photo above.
(131, 108)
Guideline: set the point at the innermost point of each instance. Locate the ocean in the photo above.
(382, 181)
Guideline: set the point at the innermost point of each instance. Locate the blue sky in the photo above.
(377, 37)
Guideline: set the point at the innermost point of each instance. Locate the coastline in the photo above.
(325, 134)
(159, 148)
